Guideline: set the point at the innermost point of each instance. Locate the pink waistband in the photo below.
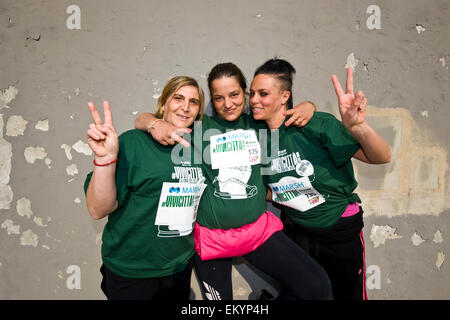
(351, 210)
(218, 243)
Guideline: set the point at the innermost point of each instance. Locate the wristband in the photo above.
(315, 107)
(152, 125)
(105, 164)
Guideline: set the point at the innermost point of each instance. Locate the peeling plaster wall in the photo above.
(52, 64)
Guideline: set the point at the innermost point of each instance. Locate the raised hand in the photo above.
(101, 135)
(352, 107)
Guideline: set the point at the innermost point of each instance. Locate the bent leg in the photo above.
(300, 275)
(214, 278)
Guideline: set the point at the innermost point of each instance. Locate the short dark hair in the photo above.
(283, 71)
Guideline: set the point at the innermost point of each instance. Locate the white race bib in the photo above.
(178, 205)
(235, 149)
(296, 193)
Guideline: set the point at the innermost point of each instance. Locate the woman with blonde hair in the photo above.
(149, 199)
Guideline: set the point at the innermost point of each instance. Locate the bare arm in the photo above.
(374, 149)
(101, 194)
(103, 140)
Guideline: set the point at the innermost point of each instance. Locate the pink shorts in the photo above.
(218, 243)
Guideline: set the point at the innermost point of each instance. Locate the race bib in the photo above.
(296, 193)
(235, 149)
(177, 207)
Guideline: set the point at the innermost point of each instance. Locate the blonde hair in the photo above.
(172, 86)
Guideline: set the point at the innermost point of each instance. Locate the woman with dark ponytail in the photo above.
(311, 178)
(232, 218)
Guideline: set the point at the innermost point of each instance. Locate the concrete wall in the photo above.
(54, 59)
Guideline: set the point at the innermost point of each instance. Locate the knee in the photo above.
(320, 286)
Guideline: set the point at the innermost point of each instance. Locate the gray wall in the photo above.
(125, 52)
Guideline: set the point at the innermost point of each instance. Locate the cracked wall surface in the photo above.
(55, 56)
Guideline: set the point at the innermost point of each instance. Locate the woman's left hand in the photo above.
(300, 114)
(352, 107)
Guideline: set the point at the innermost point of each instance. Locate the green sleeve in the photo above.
(333, 136)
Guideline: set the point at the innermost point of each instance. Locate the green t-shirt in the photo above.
(133, 246)
(235, 196)
(312, 174)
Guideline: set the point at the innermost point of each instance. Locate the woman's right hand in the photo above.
(102, 137)
(162, 131)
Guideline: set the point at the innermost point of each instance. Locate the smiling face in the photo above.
(182, 107)
(267, 100)
(228, 98)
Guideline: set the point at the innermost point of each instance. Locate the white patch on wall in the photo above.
(7, 95)
(440, 259)
(24, 207)
(156, 93)
(77, 200)
(72, 169)
(352, 62)
(373, 277)
(416, 239)
(374, 20)
(425, 114)
(29, 238)
(16, 126)
(98, 238)
(73, 22)
(5, 157)
(42, 125)
(39, 221)
(6, 193)
(420, 28)
(10, 227)
(438, 237)
(67, 149)
(6, 196)
(82, 147)
(33, 153)
(379, 234)
(48, 162)
(74, 280)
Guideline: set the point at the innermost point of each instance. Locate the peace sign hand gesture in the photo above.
(352, 107)
(101, 136)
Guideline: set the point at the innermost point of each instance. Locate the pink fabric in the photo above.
(217, 243)
(351, 210)
(361, 236)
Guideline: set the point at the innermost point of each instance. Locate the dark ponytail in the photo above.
(284, 72)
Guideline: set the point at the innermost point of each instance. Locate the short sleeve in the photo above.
(341, 145)
(334, 137)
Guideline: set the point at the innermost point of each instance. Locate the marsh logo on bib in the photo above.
(234, 153)
(178, 202)
(296, 193)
